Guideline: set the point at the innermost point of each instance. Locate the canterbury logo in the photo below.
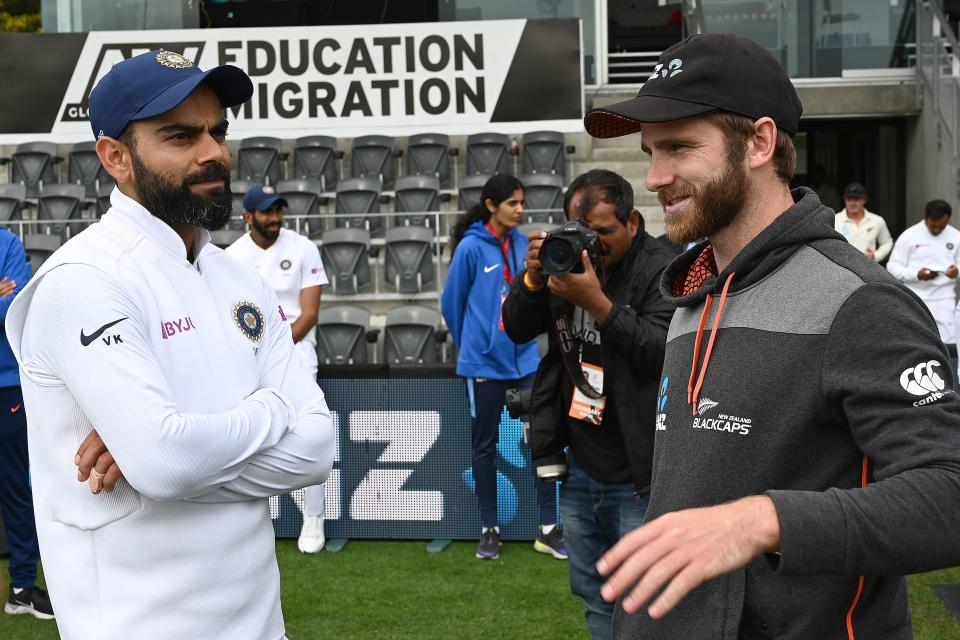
(922, 379)
(705, 405)
(671, 69)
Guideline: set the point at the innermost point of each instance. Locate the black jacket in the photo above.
(828, 389)
(632, 341)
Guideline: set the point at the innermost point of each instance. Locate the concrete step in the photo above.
(627, 168)
(631, 154)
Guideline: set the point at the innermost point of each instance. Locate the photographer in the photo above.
(619, 320)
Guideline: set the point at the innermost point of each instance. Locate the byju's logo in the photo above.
(662, 405)
(672, 69)
(922, 380)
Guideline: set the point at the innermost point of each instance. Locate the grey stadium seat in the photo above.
(103, 197)
(488, 153)
(303, 199)
(408, 260)
(317, 157)
(543, 152)
(259, 158)
(428, 155)
(373, 156)
(59, 203)
(223, 238)
(39, 247)
(84, 168)
(343, 333)
(470, 189)
(419, 196)
(409, 336)
(357, 197)
(238, 189)
(12, 197)
(543, 198)
(32, 166)
(346, 259)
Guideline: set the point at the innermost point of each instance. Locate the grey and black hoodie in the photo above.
(806, 372)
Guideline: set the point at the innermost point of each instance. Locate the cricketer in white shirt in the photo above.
(869, 233)
(189, 374)
(289, 265)
(917, 248)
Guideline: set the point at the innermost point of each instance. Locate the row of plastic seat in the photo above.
(412, 334)
(427, 154)
(35, 164)
(413, 196)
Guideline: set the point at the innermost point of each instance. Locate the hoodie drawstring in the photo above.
(693, 391)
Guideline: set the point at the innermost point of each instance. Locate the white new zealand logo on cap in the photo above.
(672, 69)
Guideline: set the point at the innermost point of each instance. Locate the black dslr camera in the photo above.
(561, 249)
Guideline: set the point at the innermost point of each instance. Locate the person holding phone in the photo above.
(925, 259)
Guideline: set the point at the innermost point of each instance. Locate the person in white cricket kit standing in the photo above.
(291, 265)
(156, 367)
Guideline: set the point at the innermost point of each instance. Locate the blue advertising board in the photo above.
(403, 466)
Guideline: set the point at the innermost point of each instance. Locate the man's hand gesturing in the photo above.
(679, 551)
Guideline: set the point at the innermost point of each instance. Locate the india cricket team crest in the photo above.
(249, 319)
(173, 60)
(285, 265)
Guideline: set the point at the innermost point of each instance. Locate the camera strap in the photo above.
(561, 311)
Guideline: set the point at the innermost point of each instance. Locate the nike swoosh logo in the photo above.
(14, 409)
(86, 340)
(491, 268)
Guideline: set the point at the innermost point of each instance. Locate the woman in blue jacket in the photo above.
(487, 254)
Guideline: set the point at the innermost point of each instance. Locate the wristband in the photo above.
(530, 284)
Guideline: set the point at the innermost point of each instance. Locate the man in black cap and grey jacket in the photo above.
(803, 463)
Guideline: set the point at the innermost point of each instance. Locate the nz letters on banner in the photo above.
(403, 466)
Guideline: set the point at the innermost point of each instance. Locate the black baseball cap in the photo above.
(854, 190)
(155, 82)
(701, 74)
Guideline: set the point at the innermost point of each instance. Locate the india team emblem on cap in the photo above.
(249, 319)
(268, 189)
(173, 60)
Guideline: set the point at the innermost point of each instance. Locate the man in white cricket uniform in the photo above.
(863, 229)
(291, 265)
(925, 258)
(160, 369)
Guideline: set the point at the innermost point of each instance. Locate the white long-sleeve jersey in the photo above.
(188, 373)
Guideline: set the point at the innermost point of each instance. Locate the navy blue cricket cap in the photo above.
(261, 198)
(702, 74)
(155, 82)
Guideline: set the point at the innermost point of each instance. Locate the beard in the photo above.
(178, 204)
(263, 230)
(715, 204)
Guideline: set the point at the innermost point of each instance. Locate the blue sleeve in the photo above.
(453, 301)
(16, 268)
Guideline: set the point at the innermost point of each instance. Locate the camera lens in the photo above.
(557, 255)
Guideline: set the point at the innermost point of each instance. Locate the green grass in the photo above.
(374, 590)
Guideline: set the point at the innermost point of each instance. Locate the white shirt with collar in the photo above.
(289, 265)
(189, 374)
(917, 248)
(871, 233)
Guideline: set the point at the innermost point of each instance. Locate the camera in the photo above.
(561, 249)
(549, 468)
